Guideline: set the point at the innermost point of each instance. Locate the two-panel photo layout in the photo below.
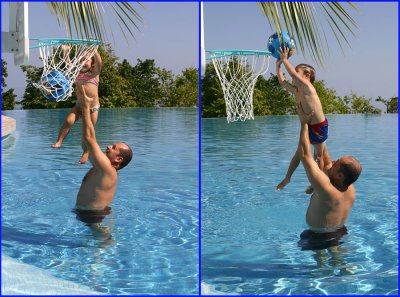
(199, 148)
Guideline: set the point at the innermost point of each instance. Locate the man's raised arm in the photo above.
(318, 179)
(88, 132)
(96, 156)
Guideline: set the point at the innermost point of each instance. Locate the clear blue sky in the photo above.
(369, 68)
(168, 34)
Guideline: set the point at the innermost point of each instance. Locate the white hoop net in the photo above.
(62, 59)
(238, 72)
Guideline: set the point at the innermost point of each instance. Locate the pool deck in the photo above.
(8, 126)
(18, 278)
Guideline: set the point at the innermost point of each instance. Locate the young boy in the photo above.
(302, 87)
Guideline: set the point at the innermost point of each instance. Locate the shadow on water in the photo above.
(328, 262)
(101, 234)
(220, 268)
(16, 235)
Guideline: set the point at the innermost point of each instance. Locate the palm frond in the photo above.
(304, 21)
(86, 19)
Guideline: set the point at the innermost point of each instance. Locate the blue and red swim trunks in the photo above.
(318, 133)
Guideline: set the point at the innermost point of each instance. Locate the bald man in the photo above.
(333, 196)
(100, 182)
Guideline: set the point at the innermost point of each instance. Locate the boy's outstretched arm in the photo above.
(282, 79)
(98, 62)
(284, 52)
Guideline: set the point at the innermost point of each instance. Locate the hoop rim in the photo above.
(236, 52)
(55, 41)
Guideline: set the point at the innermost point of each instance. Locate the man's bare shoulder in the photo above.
(108, 171)
(328, 193)
(104, 180)
(335, 197)
(350, 193)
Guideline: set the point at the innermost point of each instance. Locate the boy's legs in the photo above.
(85, 155)
(70, 120)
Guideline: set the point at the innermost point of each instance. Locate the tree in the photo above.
(331, 103)
(185, 89)
(114, 87)
(360, 104)
(146, 85)
(212, 96)
(8, 100)
(7, 97)
(391, 104)
(301, 19)
(276, 100)
(166, 80)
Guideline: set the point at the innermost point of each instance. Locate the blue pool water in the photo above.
(154, 219)
(250, 231)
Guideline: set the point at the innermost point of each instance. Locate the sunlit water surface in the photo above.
(154, 219)
(250, 231)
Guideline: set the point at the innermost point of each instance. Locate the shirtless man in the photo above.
(99, 184)
(333, 195)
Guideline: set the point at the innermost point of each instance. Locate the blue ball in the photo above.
(55, 86)
(275, 42)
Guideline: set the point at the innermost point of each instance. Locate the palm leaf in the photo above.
(304, 21)
(86, 19)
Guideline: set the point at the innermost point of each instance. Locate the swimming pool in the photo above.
(250, 231)
(154, 219)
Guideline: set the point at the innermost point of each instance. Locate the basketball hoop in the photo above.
(62, 64)
(238, 71)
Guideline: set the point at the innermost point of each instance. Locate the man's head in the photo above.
(344, 171)
(120, 154)
(307, 71)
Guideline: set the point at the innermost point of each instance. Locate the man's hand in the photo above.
(303, 117)
(284, 52)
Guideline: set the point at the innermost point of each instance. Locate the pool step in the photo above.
(18, 278)
(8, 126)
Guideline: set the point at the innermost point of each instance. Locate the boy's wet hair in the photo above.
(308, 69)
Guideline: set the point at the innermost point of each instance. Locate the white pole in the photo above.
(203, 51)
